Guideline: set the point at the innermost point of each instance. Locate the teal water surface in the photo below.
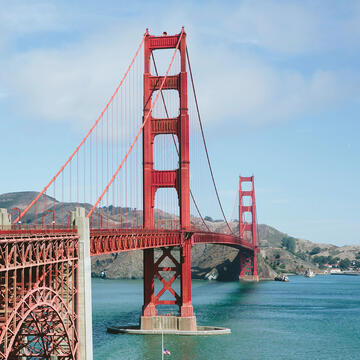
(315, 318)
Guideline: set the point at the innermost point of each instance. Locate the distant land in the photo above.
(279, 252)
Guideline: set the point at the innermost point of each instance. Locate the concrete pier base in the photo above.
(168, 323)
(249, 278)
(81, 222)
(200, 331)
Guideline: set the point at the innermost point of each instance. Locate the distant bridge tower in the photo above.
(178, 179)
(248, 229)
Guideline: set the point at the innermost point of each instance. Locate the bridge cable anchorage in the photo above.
(86, 136)
(140, 130)
(176, 147)
(204, 141)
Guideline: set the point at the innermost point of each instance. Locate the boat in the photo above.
(281, 278)
(309, 273)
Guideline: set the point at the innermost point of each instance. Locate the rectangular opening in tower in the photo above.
(166, 212)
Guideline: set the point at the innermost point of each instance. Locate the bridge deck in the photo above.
(107, 241)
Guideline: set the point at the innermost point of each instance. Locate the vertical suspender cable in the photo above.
(81, 143)
(204, 141)
(139, 132)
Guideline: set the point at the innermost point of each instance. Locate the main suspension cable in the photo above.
(204, 141)
(86, 136)
(139, 132)
(176, 147)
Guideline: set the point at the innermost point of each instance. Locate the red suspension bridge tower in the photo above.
(178, 179)
(248, 228)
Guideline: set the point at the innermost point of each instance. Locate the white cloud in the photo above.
(294, 27)
(22, 17)
(280, 26)
(72, 84)
(247, 90)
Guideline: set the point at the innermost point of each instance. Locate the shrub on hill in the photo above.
(289, 243)
(315, 251)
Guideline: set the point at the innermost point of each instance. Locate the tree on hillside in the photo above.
(344, 264)
(315, 251)
(333, 261)
(322, 260)
(208, 218)
(289, 243)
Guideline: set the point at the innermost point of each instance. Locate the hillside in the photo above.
(220, 260)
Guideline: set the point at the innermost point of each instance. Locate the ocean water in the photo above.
(315, 318)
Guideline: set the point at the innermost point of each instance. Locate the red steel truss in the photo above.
(108, 241)
(105, 241)
(38, 292)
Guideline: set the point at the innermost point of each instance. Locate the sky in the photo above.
(278, 86)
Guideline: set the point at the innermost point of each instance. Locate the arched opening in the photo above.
(42, 335)
(41, 327)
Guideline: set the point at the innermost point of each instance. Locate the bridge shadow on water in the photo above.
(222, 299)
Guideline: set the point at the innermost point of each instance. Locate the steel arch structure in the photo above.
(41, 326)
(38, 294)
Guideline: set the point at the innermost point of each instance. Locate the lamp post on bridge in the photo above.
(43, 220)
(19, 213)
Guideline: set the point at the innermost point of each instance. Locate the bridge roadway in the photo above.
(107, 241)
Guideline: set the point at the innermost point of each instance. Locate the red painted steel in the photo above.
(248, 231)
(164, 126)
(108, 241)
(178, 179)
(224, 239)
(161, 273)
(38, 294)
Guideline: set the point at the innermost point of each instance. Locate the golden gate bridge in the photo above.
(126, 187)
